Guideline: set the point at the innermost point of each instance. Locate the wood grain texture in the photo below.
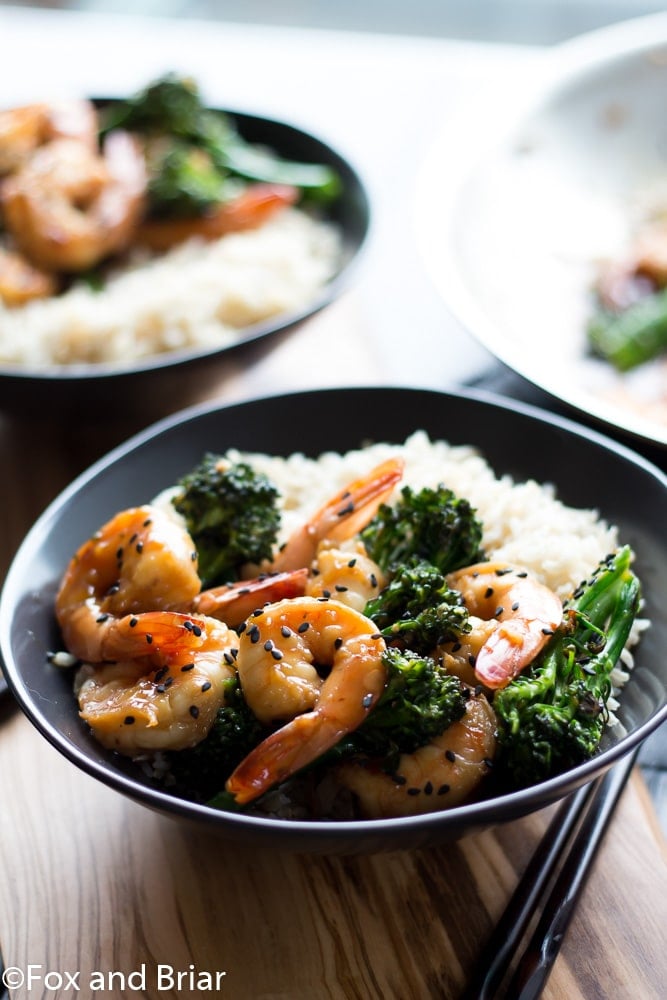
(95, 882)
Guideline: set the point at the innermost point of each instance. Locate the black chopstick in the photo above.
(538, 958)
(587, 811)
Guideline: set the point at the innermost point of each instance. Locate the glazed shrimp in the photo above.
(234, 602)
(165, 699)
(342, 516)
(248, 211)
(278, 653)
(346, 573)
(440, 775)
(21, 282)
(141, 560)
(24, 129)
(68, 208)
(525, 615)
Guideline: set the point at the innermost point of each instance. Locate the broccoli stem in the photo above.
(553, 716)
(634, 336)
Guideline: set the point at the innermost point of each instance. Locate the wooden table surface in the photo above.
(99, 892)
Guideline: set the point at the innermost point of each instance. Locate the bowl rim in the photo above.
(483, 813)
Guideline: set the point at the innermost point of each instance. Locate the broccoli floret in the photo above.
(553, 716)
(418, 608)
(201, 771)
(431, 524)
(419, 702)
(231, 512)
(182, 180)
(172, 106)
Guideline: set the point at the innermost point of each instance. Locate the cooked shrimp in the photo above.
(24, 129)
(346, 573)
(248, 211)
(68, 208)
(342, 516)
(21, 282)
(440, 775)
(278, 653)
(166, 699)
(234, 602)
(525, 615)
(141, 560)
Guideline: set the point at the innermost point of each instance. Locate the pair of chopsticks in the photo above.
(550, 887)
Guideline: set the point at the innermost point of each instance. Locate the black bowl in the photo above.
(157, 385)
(587, 469)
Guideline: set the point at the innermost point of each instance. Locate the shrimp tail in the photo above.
(233, 603)
(509, 650)
(134, 636)
(281, 755)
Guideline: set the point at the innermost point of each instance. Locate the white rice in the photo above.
(198, 295)
(524, 523)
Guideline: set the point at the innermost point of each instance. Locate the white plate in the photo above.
(516, 207)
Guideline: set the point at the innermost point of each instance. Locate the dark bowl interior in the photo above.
(161, 384)
(587, 469)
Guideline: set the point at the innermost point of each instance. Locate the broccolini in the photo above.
(231, 512)
(432, 525)
(418, 608)
(419, 702)
(553, 715)
(194, 148)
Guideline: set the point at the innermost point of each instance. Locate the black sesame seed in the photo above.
(242, 627)
(188, 625)
(450, 755)
(488, 592)
(547, 631)
(161, 673)
(134, 622)
(488, 762)
(413, 791)
(254, 633)
(303, 627)
(228, 658)
(376, 635)
(367, 700)
(347, 509)
(499, 610)
(149, 638)
(373, 580)
(140, 547)
(443, 790)
(196, 630)
(428, 788)
(326, 593)
(352, 563)
(456, 647)
(338, 642)
(515, 606)
(472, 660)
(129, 720)
(194, 711)
(399, 779)
(285, 632)
(206, 686)
(188, 666)
(102, 619)
(276, 654)
(341, 588)
(268, 645)
(478, 690)
(147, 522)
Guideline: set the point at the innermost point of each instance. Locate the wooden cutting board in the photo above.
(95, 884)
